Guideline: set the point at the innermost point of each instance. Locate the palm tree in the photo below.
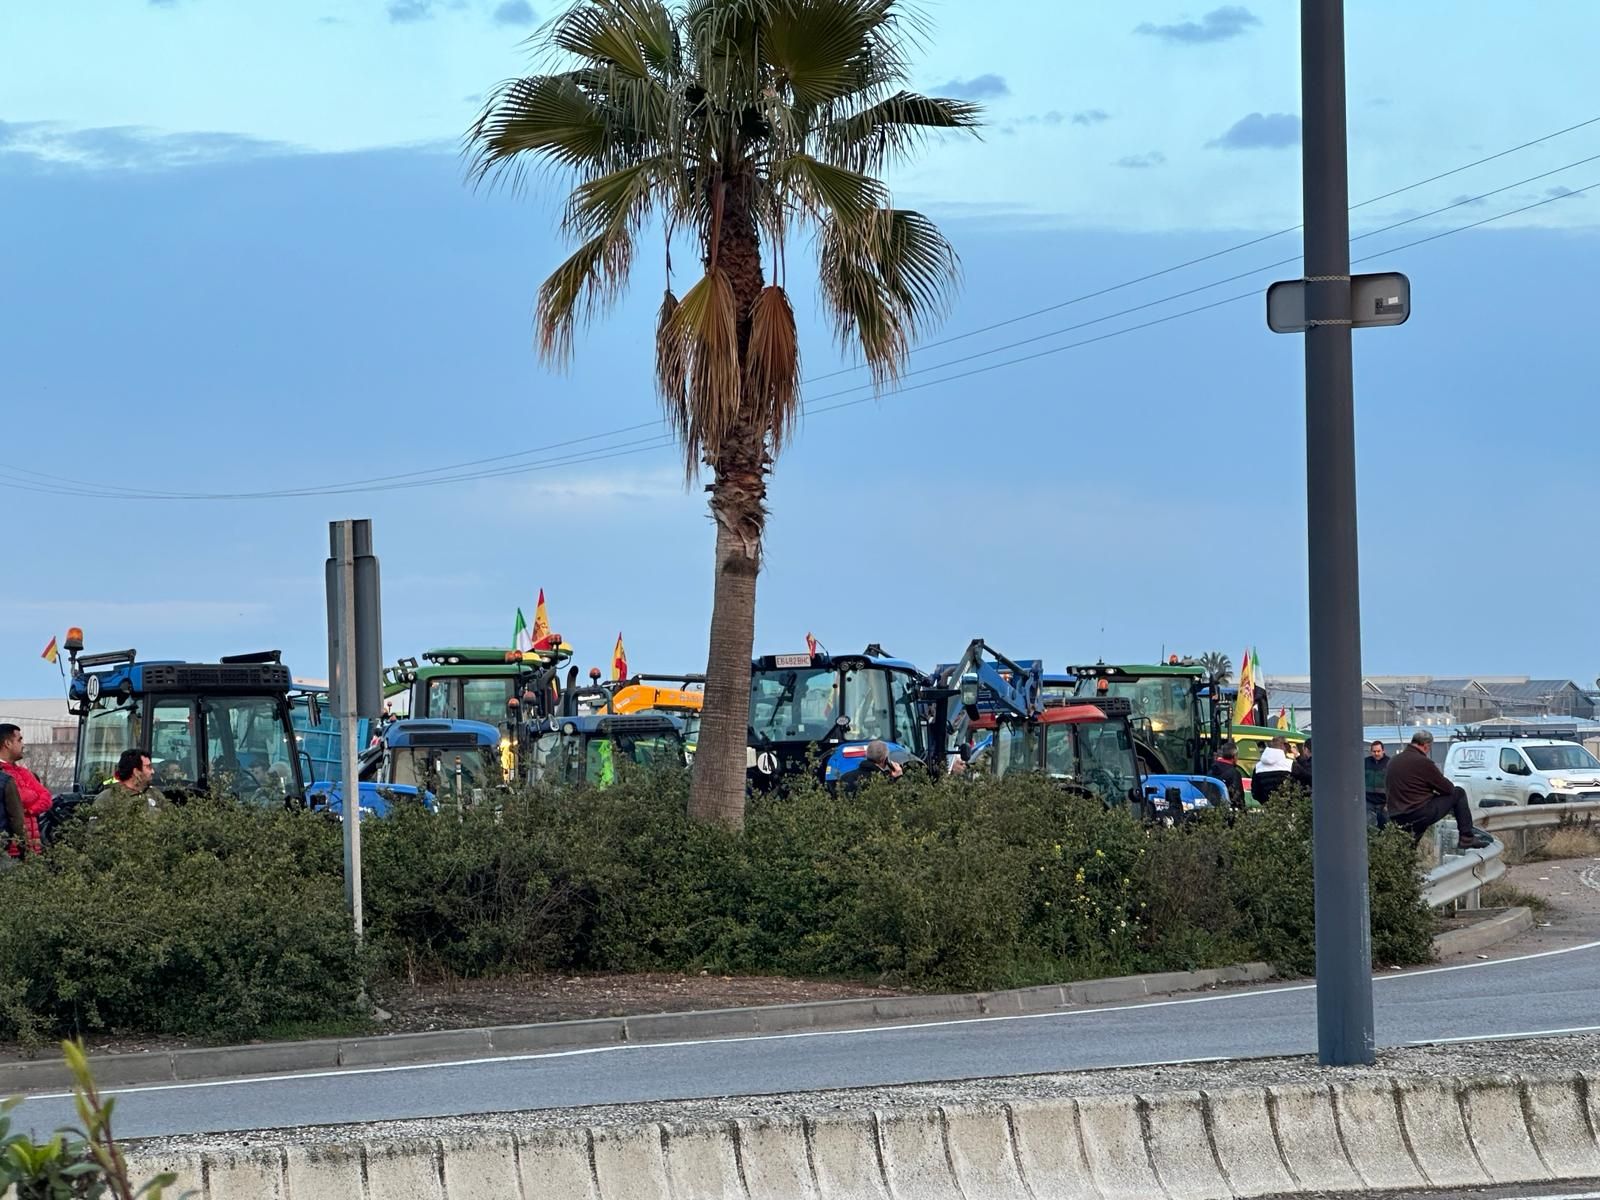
(1218, 665)
(734, 125)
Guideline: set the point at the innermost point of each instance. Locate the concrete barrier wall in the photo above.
(1350, 1137)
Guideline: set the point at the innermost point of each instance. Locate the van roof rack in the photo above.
(1561, 733)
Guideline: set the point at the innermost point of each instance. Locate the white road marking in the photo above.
(1063, 1014)
(1507, 1037)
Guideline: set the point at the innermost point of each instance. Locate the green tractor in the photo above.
(1180, 714)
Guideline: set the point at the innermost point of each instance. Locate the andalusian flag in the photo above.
(619, 660)
(811, 644)
(542, 639)
(49, 654)
(1244, 704)
(1294, 726)
(521, 639)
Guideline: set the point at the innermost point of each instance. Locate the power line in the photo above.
(1245, 245)
(56, 485)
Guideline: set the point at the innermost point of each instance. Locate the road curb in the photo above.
(1352, 1137)
(1483, 934)
(448, 1045)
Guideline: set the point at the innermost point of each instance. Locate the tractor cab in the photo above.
(680, 696)
(823, 709)
(599, 748)
(1177, 711)
(208, 727)
(454, 764)
(1083, 747)
(475, 683)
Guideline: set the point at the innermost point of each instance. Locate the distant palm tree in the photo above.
(733, 124)
(1218, 665)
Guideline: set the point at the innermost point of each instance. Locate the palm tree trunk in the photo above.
(719, 763)
(738, 507)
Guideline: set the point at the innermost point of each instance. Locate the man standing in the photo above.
(33, 797)
(1301, 771)
(1377, 763)
(1272, 770)
(1226, 769)
(129, 789)
(1418, 794)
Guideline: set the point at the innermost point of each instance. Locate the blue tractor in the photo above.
(221, 727)
(1010, 716)
(819, 712)
(449, 763)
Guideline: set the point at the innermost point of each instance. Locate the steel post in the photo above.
(1343, 934)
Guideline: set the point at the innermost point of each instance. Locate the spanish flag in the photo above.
(619, 660)
(1244, 704)
(542, 638)
(50, 654)
(811, 644)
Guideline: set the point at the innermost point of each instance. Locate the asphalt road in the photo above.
(1547, 994)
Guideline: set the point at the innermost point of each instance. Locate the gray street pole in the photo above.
(1344, 939)
(350, 788)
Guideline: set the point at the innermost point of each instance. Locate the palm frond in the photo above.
(617, 201)
(894, 127)
(824, 188)
(702, 351)
(885, 280)
(592, 277)
(819, 47)
(772, 366)
(603, 34)
(546, 116)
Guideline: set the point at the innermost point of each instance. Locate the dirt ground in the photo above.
(527, 999)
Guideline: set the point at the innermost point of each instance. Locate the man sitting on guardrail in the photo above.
(1419, 794)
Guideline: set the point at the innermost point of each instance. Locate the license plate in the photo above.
(791, 660)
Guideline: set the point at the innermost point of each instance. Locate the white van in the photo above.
(1499, 772)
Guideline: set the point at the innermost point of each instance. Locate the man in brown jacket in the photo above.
(1419, 794)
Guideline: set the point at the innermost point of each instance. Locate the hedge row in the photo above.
(220, 922)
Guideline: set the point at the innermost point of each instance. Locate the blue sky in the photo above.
(243, 258)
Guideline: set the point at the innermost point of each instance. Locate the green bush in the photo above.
(220, 921)
(210, 920)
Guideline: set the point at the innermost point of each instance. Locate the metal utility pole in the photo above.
(344, 689)
(1344, 939)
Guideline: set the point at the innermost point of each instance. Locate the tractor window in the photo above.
(442, 699)
(247, 747)
(108, 730)
(797, 705)
(1105, 759)
(907, 721)
(173, 743)
(866, 703)
(1016, 749)
(485, 700)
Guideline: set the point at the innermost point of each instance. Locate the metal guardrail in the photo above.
(1463, 873)
(1459, 875)
(1533, 816)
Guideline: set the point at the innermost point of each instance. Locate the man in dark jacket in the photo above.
(1376, 765)
(1226, 768)
(11, 821)
(1301, 771)
(1418, 794)
(875, 765)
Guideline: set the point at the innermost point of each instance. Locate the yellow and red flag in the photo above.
(1244, 704)
(50, 653)
(619, 660)
(542, 637)
(811, 644)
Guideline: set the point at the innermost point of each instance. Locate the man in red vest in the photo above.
(34, 796)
